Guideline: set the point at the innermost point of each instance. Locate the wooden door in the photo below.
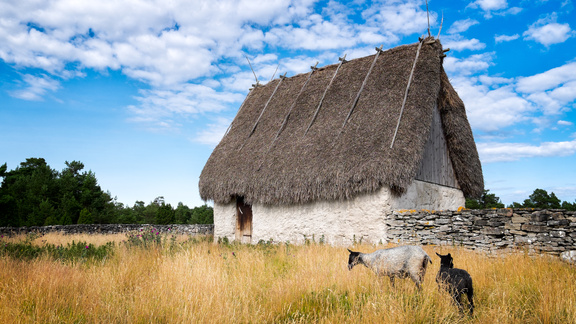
(243, 221)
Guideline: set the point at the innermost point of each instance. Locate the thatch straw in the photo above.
(322, 165)
(460, 141)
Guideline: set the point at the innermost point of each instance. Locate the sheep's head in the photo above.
(353, 259)
(445, 260)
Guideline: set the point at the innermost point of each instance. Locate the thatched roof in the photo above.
(332, 161)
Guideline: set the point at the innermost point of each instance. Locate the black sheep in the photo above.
(455, 281)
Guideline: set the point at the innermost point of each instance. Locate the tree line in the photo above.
(33, 194)
(538, 199)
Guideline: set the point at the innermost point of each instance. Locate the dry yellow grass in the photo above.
(204, 282)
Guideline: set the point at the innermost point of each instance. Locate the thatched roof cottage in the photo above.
(332, 152)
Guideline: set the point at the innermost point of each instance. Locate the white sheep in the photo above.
(402, 262)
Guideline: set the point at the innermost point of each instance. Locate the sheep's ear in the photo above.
(449, 255)
(438, 254)
(350, 251)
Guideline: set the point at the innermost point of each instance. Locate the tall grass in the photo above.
(197, 281)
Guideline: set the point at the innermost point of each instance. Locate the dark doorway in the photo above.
(243, 221)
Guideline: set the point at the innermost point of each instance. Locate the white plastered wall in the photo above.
(336, 222)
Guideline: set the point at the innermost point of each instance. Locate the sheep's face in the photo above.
(446, 261)
(353, 259)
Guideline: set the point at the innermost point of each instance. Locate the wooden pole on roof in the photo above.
(441, 23)
(378, 51)
(342, 61)
(267, 102)
(240, 109)
(250, 64)
(273, 75)
(313, 69)
(406, 92)
(428, 16)
(246, 99)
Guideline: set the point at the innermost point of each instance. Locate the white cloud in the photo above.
(566, 3)
(515, 10)
(265, 58)
(547, 31)
(299, 64)
(241, 81)
(167, 44)
(549, 79)
(494, 103)
(489, 6)
(214, 132)
(505, 38)
(399, 17)
(462, 25)
(355, 53)
(368, 35)
(509, 11)
(384, 22)
(35, 87)
(553, 90)
(458, 43)
(566, 93)
(159, 107)
(244, 80)
(166, 60)
(318, 35)
(491, 102)
(491, 81)
(159, 43)
(565, 123)
(191, 55)
(557, 100)
(470, 65)
(500, 152)
(492, 109)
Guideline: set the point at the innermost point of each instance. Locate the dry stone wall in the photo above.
(196, 229)
(539, 231)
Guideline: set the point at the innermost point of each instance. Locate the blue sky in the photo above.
(142, 91)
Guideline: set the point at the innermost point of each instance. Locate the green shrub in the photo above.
(73, 252)
(151, 237)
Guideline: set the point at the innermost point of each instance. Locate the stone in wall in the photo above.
(569, 256)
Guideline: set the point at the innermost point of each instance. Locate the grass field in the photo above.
(185, 280)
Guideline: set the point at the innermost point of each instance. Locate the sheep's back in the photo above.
(399, 261)
(456, 278)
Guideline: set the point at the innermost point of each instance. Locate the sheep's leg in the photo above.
(457, 299)
(418, 285)
(392, 281)
(470, 295)
(441, 285)
(417, 280)
(422, 271)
